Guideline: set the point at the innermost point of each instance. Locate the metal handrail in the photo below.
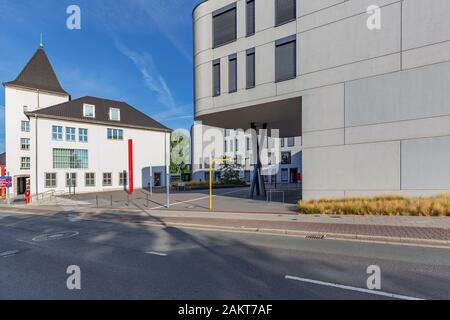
(43, 194)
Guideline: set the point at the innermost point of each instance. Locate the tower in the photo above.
(36, 87)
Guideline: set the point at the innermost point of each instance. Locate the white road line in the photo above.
(7, 254)
(157, 253)
(374, 292)
(197, 199)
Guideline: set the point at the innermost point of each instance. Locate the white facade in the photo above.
(31, 148)
(372, 105)
(104, 156)
(17, 101)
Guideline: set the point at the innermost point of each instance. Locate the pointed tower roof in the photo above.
(38, 74)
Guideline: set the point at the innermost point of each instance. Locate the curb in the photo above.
(287, 232)
(310, 235)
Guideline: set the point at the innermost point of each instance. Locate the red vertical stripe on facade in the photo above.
(130, 166)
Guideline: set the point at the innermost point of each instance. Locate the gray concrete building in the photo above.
(372, 105)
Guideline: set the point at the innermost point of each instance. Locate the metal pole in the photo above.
(111, 200)
(167, 172)
(151, 180)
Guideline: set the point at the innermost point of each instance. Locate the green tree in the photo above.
(179, 152)
(230, 172)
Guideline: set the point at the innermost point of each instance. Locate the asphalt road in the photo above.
(125, 261)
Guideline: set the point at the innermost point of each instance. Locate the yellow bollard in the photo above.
(210, 185)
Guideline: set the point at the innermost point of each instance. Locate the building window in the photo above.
(282, 142)
(70, 159)
(250, 68)
(25, 126)
(123, 181)
(285, 59)
(83, 135)
(269, 158)
(114, 114)
(216, 78)
(232, 73)
(284, 175)
(107, 179)
(231, 145)
(70, 134)
(236, 145)
(286, 157)
(25, 144)
(227, 132)
(57, 133)
(25, 163)
(291, 142)
(225, 146)
(247, 144)
(88, 111)
(50, 180)
(89, 179)
(115, 134)
(285, 11)
(224, 25)
(71, 179)
(250, 17)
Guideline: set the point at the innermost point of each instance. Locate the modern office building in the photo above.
(366, 88)
(83, 145)
(281, 158)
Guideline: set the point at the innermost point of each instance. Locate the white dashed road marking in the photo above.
(157, 253)
(374, 292)
(7, 254)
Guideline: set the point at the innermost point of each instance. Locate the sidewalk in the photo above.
(407, 230)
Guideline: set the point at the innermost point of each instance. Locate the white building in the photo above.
(281, 157)
(55, 143)
(371, 104)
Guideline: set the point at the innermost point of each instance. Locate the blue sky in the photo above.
(138, 51)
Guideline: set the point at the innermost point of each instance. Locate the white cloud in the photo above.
(155, 82)
(170, 18)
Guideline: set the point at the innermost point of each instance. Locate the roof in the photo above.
(38, 74)
(3, 159)
(73, 111)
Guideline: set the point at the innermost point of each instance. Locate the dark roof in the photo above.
(38, 74)
(3, 159)
(73, 110)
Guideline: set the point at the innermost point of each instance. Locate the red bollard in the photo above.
(27, 197)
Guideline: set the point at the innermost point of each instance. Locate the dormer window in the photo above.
(114, 114)
(88, 111)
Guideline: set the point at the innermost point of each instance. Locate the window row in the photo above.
(89, 179)
(89, 112)
(70, 133)
(225, 19)
(285, 66)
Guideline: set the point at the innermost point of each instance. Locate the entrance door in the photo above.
(294, 172)
(21, 185)
(157, 181)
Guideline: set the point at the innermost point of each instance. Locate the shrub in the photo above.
(389, 205)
